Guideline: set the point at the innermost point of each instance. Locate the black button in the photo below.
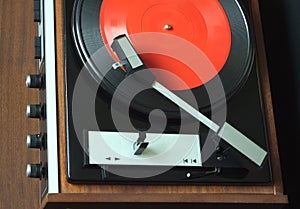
(35, 81)
(36, 141)
(36, 111)
(35, 171)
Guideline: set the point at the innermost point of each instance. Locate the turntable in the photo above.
(153, 103)
(163, 92)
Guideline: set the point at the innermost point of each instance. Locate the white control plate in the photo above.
(116, 148)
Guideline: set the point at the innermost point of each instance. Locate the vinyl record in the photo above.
(219, 28)
(202, 23)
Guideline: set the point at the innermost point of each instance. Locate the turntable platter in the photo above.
(224, 37)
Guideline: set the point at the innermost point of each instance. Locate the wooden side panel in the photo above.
(267, 100)
(17, 31)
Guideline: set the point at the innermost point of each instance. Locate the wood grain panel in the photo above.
(267, 99)
(17, 31)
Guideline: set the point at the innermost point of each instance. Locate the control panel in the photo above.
(43, 83)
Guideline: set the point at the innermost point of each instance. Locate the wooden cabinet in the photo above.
(176, 196)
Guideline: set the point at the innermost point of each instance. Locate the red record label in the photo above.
(201, 22)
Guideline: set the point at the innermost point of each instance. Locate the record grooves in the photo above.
(89, 38)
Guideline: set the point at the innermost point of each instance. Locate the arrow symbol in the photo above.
(195, 160)
(117, 158)
(108, 158)
(185, 160)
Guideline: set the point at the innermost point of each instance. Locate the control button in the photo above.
(34, 81)
(37, 141)
(37, 47)
(37, 10)
(36, 111)
(35, 171)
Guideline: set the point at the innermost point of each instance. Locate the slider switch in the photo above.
(37, 47)
(37, 10)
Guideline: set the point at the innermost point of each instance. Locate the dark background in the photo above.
(281, 25)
